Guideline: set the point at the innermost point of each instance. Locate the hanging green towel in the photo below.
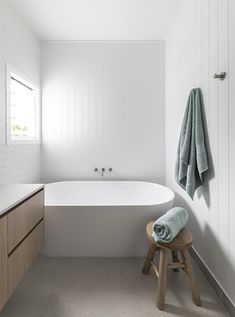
(192, 163)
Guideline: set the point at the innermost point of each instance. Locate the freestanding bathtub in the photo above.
(101, 218)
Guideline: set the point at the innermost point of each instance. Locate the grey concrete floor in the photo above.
(104, 287)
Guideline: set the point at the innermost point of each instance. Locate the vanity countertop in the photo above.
(13, 194)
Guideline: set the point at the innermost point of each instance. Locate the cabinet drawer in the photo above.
(23, 256)
(23, 218)
(3, 261)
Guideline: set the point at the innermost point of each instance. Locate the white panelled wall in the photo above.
(231, 226)
(199, 45)
(103, 106)
(21, 49)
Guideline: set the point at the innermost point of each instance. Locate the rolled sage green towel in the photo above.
(166, 228)
(191, 162)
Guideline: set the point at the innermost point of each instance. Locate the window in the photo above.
(23, 109)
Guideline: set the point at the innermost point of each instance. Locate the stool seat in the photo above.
(178, 246)
(182, 241)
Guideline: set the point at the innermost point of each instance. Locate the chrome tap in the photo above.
(102, 171)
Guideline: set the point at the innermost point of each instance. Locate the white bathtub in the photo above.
(101, 218)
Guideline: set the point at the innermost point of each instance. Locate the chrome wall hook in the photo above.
(220, 76)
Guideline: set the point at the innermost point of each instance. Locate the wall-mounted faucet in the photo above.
(103, 170)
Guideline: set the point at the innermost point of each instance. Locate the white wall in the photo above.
(196, 48)
(103, 106)
(20, 49)
(231, 220)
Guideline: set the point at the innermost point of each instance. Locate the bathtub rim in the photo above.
(170, 192)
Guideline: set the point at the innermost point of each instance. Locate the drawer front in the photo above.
(3, 261)
(23, 256)
(23, 218)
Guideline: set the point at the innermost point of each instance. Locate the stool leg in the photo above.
(175, 258)
(149, 258)
(189, 270)
(162, 279)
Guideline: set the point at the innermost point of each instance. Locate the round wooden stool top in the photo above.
(182, 241)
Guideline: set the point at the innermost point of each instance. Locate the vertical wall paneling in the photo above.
(103, 106)
(198, 46)
(211, 109)
(231, 147)
(223, 136)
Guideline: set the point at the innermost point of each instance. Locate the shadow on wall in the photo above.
(204, 189)
(209, 236)
(216, 249)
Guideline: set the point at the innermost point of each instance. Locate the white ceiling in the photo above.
(98, 19)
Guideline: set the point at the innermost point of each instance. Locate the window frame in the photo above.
(25, 81)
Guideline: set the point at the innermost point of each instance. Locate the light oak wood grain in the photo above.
(23, 218)
(23, 256)
(161, 289)
(3, 261)
(149, 258)
(193, 284)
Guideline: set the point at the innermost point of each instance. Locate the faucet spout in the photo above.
(102, 171)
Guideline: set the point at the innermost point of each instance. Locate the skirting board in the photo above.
(214, 284)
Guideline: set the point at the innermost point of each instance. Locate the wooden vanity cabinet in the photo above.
(23, 256)
(3, 261)
(21, 238)
(23, 219)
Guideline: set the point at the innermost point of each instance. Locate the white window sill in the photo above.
(23, 142)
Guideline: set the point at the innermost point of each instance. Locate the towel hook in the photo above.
(220, 76)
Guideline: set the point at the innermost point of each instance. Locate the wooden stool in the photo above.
(180, 244)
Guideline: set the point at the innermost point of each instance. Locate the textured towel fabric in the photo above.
(166, 228)
(191, 162)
